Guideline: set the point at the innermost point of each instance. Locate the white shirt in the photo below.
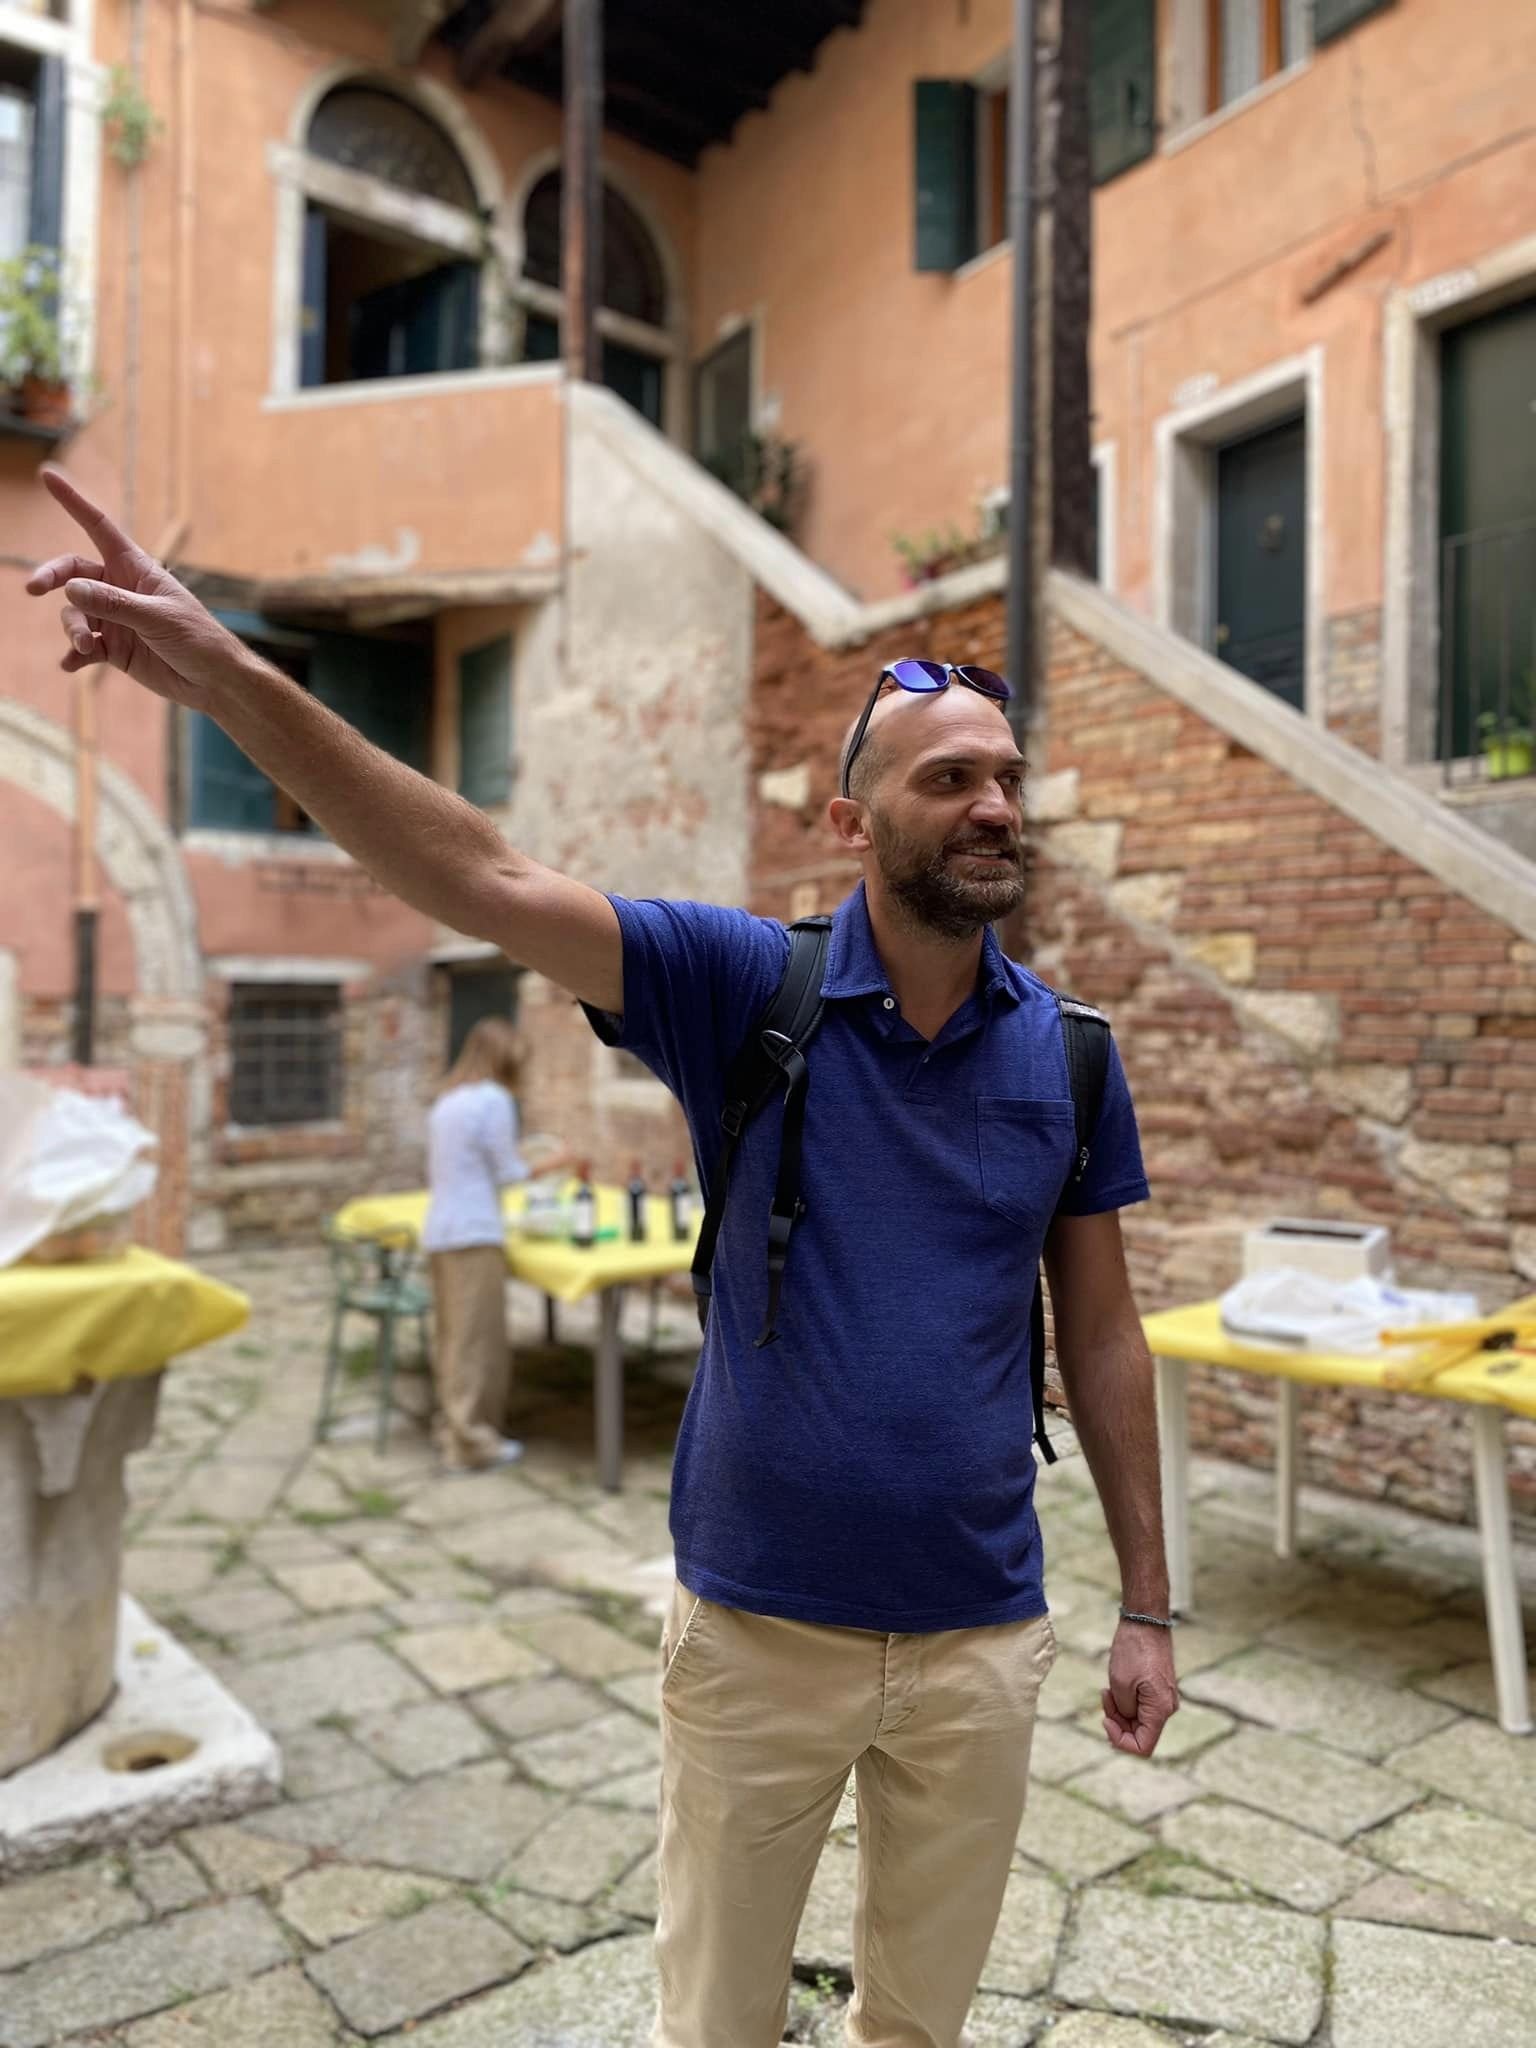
(471, 1156)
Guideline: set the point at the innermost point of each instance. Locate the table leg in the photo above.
(1173, 1436)
(1287, 1412)
(610, 1390)
(551, 1326)
(1501, 1590)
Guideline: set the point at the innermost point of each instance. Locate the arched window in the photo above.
(379, 302)
(634, 291)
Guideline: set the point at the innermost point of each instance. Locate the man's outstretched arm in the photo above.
(1106, 1370)
(417, 839)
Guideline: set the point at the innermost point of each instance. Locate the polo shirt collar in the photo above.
(854, 967)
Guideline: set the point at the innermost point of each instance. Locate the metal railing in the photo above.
(1486, 729)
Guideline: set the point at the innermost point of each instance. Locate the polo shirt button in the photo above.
(889, 1003)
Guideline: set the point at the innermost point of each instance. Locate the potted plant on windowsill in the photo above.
(1508, 749)
(35, 350)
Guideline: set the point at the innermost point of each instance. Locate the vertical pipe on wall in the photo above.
(581, 183)
(1023, 564)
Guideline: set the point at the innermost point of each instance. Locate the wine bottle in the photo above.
(681, 1196)
(636, 1204)
(584, 1209)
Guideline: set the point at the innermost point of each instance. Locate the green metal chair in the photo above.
(376, 1280)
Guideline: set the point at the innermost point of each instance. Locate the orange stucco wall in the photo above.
(896, 384)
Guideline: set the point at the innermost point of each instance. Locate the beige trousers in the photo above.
(761, 1721)
(471, 1364)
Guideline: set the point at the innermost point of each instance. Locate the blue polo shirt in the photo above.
(872, 1468)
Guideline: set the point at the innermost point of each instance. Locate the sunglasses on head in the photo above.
(923, 679)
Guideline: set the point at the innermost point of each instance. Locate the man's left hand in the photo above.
(1142, 1692)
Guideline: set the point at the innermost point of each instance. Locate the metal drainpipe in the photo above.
(1022, 554)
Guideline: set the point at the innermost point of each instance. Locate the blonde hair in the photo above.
(495, 1050)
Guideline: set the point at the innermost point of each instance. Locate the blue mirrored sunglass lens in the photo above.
(920, 675)
(985, 680)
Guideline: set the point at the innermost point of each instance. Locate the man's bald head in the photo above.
(904, 722)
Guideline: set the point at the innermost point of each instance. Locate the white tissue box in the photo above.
(1333, 1250)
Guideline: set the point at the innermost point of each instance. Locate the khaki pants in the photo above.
(470, 1361)
(761, 1721)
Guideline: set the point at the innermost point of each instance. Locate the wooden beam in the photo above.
(514, 28)
(637, 50)
(581, 225)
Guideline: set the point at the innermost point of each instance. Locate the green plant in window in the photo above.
(925, 556)
(32, 342)
(1509, 743)
(130, 121)
(766, 473)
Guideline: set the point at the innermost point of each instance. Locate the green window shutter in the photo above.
(226, 791)
(485, 722)
(45, 223)
(1331, 18)
(383, 687)
(1122, 84)
(944, 118)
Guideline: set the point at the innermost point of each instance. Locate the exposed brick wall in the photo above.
(1312, 1024)
(1353, 700)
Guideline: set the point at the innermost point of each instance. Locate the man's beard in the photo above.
(939, 897)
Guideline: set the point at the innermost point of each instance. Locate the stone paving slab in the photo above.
(1193, 1729)
(166, 1879)
(1073, 1687)
(1489, 1861)
(517, 1546)
(342, 1899)
(281, 2009)
(640, 1691)
(1252, 1967)
(1301, 1781)
(586, 1648)
(292, 1692)
(1302, 1698)
(394, 1974)
(1023, 1951)
(1393, 1986)
(140, 1972)
(329, 1822)
(604, 1996)
(1076, 1840)
(580, 1852)
(571, 1758)
(535, 1706)
(461, 1826)
(1404, 1902)
(321, 1588)
(1134, 1788)
(640, 1791)
(225, 1610)
(63, 1910)
(1107, 2030)
(320, 1760)
(1269, 1854)
(464, 1659)
(237, 1860)
(415, 1741)
(1477, 1764)
(1058, 1750)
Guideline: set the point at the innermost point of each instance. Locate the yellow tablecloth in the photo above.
(106, 1319)
(560, 1269)
(1500, 1379)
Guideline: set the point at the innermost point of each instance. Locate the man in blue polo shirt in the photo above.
(858, 1560)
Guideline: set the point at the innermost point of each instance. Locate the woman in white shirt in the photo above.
(472, 1149)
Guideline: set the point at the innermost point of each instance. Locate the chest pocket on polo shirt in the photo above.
(1026, 1150)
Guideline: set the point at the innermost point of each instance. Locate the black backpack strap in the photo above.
(772, 1057)
(1086, 1037)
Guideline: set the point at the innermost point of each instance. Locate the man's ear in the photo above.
(849, 825)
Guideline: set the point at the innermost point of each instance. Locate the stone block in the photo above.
(417, 1740)
(332, 1904)
(1382, 1092)
(324, 1587)
(317, 1761)
(1490, 1862)
(462, 1826)
(1052, 799)
(569, 1758)
(587, 1648)
(1231, 955)
(63, 1910)
(280, 2009)
(1304, 1782)
(1150, 898)
(1134, 1787)
(1067, 1835)
(1404, 1902)
(534, 1705)
(604, 1996)
(1392, 1985)
(239, 1860)
(1475, 1177)
(166, 1878)
(352, 1678)
(1196, 1961)
(1093, 846)
(1301, 1698)
(142, 1971)
(394, 1975)
(1308, 1022)
(1265, 1853)
(1023, 1951)
(461, 1659)
(581, 1851)
(1477, 1764)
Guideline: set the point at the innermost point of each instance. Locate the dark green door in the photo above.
(1261, 558)
(1487, 528)
(476, 992)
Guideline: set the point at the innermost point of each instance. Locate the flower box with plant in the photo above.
(1509, 742)
(767, 474)
(925, 557)
(37, 366)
